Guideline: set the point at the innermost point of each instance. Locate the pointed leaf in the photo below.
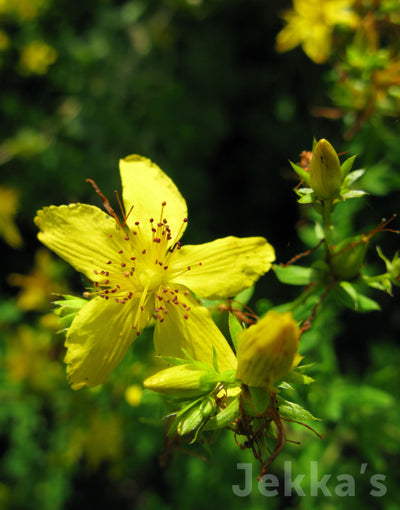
(294, 411)
(347, 166)
(234, 329)
(294, 275)
(303, 174)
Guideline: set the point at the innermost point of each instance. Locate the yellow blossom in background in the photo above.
(23, 10)
(36, 57)
(141, 272)
(30, 358)
(133, 395)
(104, 439)
(41, 285)
(8, 210)
(4, 40)
(311, 23)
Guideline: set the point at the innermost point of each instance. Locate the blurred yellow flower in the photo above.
(133, 395)
(4, 40)
(36, 57)
(30, 358)
(22, 9)
(41, 284)
(8, 209)
(104, 440)
(311, 23)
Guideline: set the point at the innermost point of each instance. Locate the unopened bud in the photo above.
(325, 172)
(267, 350)
(347, 258)
(186, 380)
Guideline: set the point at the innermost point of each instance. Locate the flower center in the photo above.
(151, 279)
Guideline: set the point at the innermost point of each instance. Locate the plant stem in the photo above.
(327, 222)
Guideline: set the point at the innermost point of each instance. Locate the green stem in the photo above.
(327, 222)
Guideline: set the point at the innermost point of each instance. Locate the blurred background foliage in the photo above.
(220, 93)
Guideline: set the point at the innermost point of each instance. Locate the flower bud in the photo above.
(267, 350)
(347, 258)
(186, 380)
(325, 172)
(195, 417)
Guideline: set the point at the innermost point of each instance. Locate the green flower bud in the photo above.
(267, 350)
(195, 417)
(347, 258)
(182, 381)
(392, 267)
(325, 172)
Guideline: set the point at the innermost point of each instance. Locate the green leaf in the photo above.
(353, 193)
(244, 297)
(294, 275)
(293, 411)
(234, 329)
(352, 177)
(352, 298)
(298, 378)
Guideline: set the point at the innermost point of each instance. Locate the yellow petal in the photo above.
(145, 187)
(197, 334)
(289, 37)
(222, 268)
(80, 234)
(317, 46)
(97, 340)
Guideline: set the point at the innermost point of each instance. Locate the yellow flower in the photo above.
(141, 271)
(8, 209)
(311, 23)
(133, 395)
(267, 350)
(4, 40)
(37, 287)
(36, 57)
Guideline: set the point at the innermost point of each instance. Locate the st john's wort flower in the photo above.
(140, 271)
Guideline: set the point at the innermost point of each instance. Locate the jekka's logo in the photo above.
(343, 485)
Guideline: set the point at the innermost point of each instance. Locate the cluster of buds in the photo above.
(266, 352)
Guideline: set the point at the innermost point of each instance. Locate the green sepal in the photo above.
(67, 309)
(350, 297)
(307, 198)
(294, 275)
(303, 174)
(347, 165)
(69, 304)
